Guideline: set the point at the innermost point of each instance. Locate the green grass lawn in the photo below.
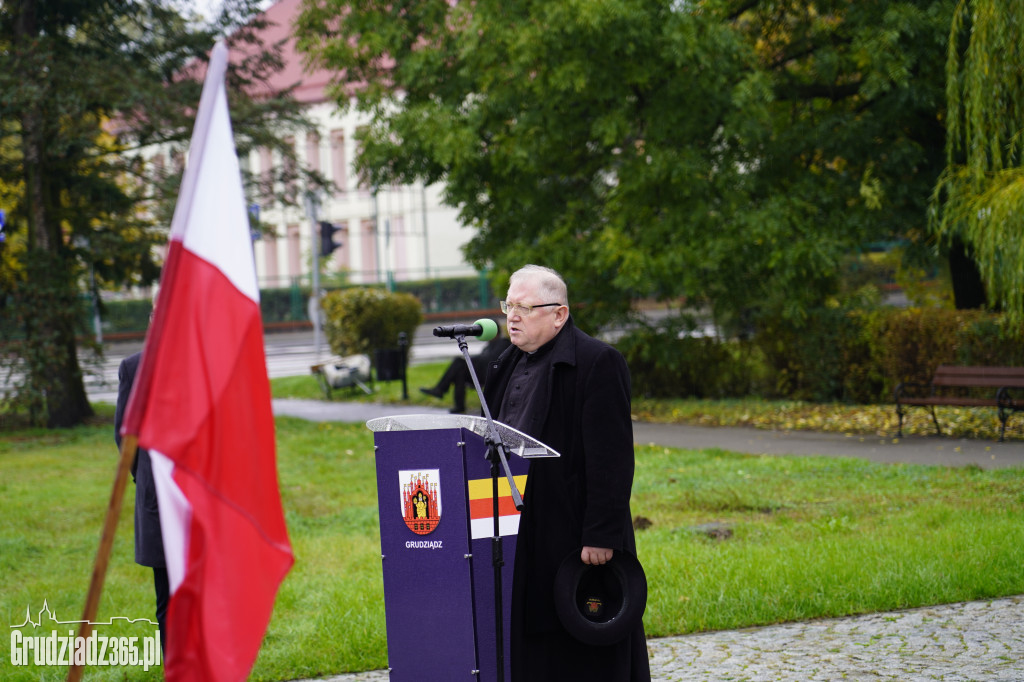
(792, 538)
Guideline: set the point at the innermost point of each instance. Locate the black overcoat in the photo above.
(149, 544)
(578, 499)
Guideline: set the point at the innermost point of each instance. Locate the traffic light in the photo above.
(327, 243)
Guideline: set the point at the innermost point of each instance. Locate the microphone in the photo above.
(484, 328)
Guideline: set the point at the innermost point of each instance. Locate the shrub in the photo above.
(364, 320)
(864, 380)
(810, 361)
(915, 341)
(991, 340)
(669, 361)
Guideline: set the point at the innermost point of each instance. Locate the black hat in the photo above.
(600, 605)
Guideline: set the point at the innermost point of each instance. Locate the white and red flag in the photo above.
(201, 405)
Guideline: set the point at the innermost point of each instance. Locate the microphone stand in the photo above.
(497, 456)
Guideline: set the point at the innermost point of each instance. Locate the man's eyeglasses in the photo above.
(521, 309)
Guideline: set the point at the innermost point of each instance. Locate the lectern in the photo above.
(434, 484)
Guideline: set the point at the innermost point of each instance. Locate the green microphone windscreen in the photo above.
(490, 329)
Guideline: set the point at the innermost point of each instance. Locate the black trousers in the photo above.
(457, 376)
(163, 597)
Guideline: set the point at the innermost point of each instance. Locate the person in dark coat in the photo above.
(456, 376)
(572, 392)
(149, 544)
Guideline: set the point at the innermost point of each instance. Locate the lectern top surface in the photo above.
(517, 442)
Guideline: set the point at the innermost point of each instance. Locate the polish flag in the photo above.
(201, 405)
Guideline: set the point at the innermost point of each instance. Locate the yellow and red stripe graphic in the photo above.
(481, 507)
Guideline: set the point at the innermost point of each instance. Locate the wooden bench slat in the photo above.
(971, 382)
(951, 401)
(980, 369)
(985, 377)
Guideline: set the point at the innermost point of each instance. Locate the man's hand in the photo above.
(596, 555)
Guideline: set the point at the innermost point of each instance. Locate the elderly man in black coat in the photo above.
(571, 392)
(149, 544)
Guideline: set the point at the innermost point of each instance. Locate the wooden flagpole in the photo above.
(129, 444)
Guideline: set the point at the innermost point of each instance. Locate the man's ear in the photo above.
(561, 315)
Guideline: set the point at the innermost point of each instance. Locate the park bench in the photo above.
(953, 386)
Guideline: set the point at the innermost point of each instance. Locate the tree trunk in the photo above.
(47, 298)
(49, 309)
(968, 287)
(67, 404)
(50, 299)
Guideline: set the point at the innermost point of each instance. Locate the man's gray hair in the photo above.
(551, 284)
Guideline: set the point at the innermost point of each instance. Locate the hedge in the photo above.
(855, 356)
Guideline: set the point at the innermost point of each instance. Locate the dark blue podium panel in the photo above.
(428, 594)
(434, 491)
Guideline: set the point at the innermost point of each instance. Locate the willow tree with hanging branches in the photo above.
(979, 198)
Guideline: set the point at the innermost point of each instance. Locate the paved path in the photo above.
(967, 641)
(940, 450)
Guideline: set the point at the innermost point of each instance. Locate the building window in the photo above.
(399, 247)
(339, 167)
(313, 150)
(294, 251)
(368, 240)
(270, 258)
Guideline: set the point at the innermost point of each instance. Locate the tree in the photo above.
(564, 131)
(726, 152)
(87, 86)
(853, 141)
(979, 199)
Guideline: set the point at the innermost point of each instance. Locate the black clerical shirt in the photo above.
(528, 381)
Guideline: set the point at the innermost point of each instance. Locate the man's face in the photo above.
(530, 332)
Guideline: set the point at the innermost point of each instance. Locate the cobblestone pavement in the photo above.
(970, 641)
(965, 642)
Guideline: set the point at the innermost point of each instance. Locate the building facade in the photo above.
(396, 233)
